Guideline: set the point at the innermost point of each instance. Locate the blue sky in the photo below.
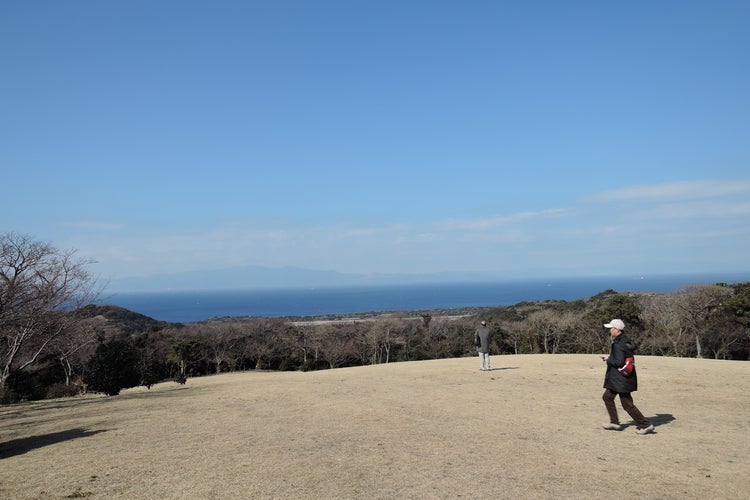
(524, 139)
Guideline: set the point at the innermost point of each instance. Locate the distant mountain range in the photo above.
(250, 277)
(257, 277)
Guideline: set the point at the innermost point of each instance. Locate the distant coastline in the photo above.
(189, 306)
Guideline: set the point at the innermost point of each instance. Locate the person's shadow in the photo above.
(661, 419)
(23, 445)
(657, 420)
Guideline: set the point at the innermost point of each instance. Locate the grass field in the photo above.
(530, 428)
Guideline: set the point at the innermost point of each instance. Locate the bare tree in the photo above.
(75, 346)
(696, 304)
(220, 342)
(39, 284)
(662, 320)
(310, 339)
(338, 344)
(723, 336)
(266, 341)
(435, 345)
(552, 330)
(685, 318)
(514, 333)
(381, 338)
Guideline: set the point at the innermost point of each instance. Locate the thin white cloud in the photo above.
(700, 210)
(660, 219)
(94, 225)
(498, 220)
(336, 245)
(702, 189)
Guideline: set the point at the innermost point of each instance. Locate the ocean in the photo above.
(189, 306)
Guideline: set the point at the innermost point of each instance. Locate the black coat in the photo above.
(622, 347)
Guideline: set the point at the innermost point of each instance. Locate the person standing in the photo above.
(482, 341)
(621, 379)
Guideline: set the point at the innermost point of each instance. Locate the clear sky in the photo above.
(525, 138)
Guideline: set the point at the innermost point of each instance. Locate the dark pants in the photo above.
(627, 404)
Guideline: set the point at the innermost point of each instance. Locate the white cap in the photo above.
(616, 323)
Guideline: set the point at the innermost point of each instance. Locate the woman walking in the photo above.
(621, 379)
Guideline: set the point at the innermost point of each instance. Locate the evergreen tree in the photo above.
(114, 366)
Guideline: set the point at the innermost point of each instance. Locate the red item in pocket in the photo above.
(627, 368)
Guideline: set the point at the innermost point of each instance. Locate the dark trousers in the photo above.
(627, 404)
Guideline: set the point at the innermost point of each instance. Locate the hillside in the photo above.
(432, 429)
(119, 320)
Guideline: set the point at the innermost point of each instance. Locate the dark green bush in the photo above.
(114, 366)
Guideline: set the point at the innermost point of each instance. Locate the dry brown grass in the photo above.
(435, 429)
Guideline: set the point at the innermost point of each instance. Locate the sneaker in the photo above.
(611, 427)
(645, 430)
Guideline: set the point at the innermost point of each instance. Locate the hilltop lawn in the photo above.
(432, 429)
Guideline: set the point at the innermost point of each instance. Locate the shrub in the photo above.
(61, 391)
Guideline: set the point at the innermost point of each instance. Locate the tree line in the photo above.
(55, 342)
